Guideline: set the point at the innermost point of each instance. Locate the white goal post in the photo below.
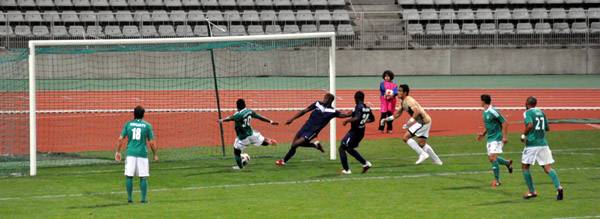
(36, 43)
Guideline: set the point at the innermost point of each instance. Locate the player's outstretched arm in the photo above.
(265, 119)
(344, 115)
(351, 120)
(392, 117)
(300, 114)
(120, 144)
(226, 119)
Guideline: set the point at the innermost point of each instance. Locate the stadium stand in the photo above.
(25, 19)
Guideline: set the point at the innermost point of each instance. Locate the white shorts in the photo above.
(137, 166)
(255, 139)
(494, 147)
(542, 155)
(420, 130)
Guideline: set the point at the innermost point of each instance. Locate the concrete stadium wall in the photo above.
(312, 63)
(469, 61)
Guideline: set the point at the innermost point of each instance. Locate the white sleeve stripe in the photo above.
(493, 111)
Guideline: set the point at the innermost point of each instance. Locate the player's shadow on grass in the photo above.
(463, 188)
(511, 201)
(99, 206)
(219, 170)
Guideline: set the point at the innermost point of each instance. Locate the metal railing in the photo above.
(361, 30)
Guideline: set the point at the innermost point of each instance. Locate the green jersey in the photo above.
(493, 124)
(537, 136)
(137, 132)
(242, 123)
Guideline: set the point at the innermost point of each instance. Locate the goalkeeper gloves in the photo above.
(386, 119)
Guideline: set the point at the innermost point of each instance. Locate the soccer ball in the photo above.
(389, 94)
(245, 159)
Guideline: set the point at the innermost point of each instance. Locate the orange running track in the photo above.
(74, 132)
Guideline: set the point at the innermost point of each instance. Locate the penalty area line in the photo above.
(311, 181)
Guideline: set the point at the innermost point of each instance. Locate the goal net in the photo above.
(85, 91)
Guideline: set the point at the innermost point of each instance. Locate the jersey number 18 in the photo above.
(136, 133)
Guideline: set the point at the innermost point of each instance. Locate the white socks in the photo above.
(415, 146)
(432, 154)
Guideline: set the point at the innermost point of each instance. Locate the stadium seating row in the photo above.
(170, 3)
(493, 2)
(500, 14)
(175, 16)
(504, 28)
(167, 30)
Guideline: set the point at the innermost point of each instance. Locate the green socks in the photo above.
(129, 186)
(501, 161)
(496, 170)
(144, 187)
(528, 180)
(238, 161)
(554, 178)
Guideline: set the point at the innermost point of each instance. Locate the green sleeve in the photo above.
(528, 118)
(124, 131)
(255, 115)
(150, 132)
(501, 118)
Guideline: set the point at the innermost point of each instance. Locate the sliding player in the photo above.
(245, 134)
(322, 112)
(138, 132)
(536, 148)
(360, 116)
(496, 129)
(418, 126)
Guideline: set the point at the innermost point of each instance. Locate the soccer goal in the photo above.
(81, 92)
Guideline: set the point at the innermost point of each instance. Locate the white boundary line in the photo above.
(574, 108)
(578, 217)
(326, 180)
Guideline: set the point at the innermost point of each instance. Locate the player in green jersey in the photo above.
(245, 134)
(138, 134)
(496, 129)
(536, 148)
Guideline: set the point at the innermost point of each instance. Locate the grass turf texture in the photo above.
(312, 186)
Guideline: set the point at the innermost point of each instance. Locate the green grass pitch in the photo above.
(310, 186)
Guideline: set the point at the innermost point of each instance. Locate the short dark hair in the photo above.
(359, 96)
(138, 112)
(531, 101)
(486, 98)
(240, 104)
(329, 98)
(405, 88)
(388, 73)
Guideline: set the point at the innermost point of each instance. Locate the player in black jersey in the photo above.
(322, 113)
(360, 117)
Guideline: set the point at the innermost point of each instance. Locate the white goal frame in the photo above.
(32, 72)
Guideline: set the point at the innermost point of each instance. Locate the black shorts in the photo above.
(307, 134)
(352, 140)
